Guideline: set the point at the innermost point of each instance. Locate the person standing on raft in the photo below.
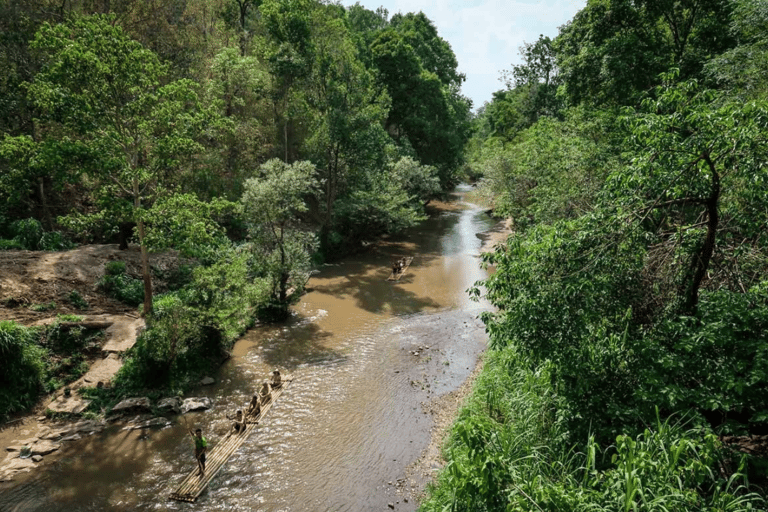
(201, 446)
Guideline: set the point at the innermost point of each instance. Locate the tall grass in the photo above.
(507, 451)
(22, 367)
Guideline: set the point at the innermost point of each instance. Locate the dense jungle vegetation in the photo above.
(255, 137)
(628, 361)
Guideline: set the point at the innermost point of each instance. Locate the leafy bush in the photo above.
(193, 327)
(29, 234)
(9, 245)
(77, 300)
(508, 452)
(120, 286)
(114, 268)
(22, 369)
(55, 241)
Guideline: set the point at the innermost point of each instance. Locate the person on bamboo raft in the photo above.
(254, 408)
(201, 446)
(266, 393)
(277, 379)
(238, 426)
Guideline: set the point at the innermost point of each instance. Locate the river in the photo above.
(365, 355)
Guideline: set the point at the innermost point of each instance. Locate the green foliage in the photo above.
(40, 360)
(114, 268)
(28, 233)
(77, 300)
(280, 246)
(428, 113)
(195, 325)
(715, 363)
(23, 368)
(613, 52)
(43, 307)
(421, 182)
(553, 170)
(185, 223)
(10, 245)
(508, 451)
(117, 284)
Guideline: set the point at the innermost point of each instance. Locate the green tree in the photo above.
(290, 54)
(272, 204)
(698, 163)
(538, 79)
(613, 51)
(102, 92)
(428, 113)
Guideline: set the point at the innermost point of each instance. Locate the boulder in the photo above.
(207, 381)
(140, 404)
(196, 404)
(44, 447)
(170, 405)
(12, 467)
(37, 458)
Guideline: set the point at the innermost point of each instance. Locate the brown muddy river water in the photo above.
(364, 353)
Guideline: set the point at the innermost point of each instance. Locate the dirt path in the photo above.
(35, 278)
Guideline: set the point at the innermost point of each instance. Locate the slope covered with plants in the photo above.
(628, 354)
(256, 138)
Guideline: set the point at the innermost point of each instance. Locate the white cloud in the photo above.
(486, 35)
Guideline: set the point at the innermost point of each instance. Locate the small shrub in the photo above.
(43, 307)
(10, 245)
(120, 286)
(115, 268)
(54, 241)
(22, 369)
(28, 233)
(77, 300)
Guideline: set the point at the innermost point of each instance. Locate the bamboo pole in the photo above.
(194, 485)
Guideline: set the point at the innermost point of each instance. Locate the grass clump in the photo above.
(39, 308)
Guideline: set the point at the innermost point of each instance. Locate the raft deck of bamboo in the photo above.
(395, 276)
(194, 485)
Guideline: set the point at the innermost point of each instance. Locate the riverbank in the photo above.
(444, 409)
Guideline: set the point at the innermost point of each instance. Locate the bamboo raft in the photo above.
(194, 485)
(395, 276)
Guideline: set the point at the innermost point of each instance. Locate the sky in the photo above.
(486, 35)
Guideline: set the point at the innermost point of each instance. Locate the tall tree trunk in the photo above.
(700, 260)
(147, 277)
(44, 203)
